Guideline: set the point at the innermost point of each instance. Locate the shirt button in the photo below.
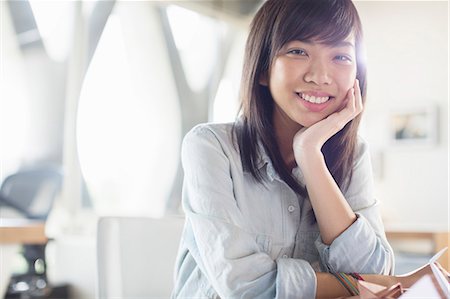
(285, 256)
(291, 209)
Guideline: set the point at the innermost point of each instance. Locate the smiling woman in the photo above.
(280, 203)
(273, 203)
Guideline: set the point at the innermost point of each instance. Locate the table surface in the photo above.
(22, 231)
(439, 240)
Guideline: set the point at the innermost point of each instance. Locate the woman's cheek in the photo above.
(350, 82)
(350, 78)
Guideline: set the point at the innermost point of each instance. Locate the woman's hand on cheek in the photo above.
(314, 137)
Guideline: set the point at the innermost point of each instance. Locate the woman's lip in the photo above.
(314, 107)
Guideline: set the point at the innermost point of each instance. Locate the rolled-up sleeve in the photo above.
(221, 242)
(362, 247)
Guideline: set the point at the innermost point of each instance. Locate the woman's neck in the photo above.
(285, 130)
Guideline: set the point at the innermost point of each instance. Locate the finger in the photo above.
(345, 112)
(358, 96)
(350, 104)
(353, 100)
(347, 103)
(356, 85)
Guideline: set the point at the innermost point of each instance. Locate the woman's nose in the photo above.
(318, 73)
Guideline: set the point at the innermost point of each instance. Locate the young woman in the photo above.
(283, 197)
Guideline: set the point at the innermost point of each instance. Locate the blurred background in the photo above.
(96, 96)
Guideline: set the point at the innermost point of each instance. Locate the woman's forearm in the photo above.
(333, 213)
(329, 287)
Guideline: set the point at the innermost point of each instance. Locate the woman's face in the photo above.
(309, 81)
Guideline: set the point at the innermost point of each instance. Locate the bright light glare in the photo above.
(54, 21)
(128, 120)
(224, 110)
(226, 103)
(14, 100)
(197, 39)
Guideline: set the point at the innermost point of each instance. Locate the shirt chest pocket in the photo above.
(264, 243)
(270, 246)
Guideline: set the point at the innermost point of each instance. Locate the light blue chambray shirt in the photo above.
(243, 239)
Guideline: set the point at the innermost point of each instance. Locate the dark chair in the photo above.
(30, 193)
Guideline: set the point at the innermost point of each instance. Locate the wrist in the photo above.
(384, 280)
(305, 146)
(306, 157)
(404, 280)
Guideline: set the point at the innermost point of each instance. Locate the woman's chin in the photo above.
(309, 122)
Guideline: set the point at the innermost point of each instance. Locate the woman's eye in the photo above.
(343, 58)
(299, 52)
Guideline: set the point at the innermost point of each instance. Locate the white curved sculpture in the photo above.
(129, 120)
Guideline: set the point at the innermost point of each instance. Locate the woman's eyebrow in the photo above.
(339, 44)
(342, 44)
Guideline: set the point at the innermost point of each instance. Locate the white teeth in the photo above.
(313, 99)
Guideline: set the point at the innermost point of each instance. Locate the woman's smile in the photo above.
(314, 103)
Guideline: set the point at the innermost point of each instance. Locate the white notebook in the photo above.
(425, 288)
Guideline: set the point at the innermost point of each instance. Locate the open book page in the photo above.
(423, 288)
(442, 281)
(426, 288)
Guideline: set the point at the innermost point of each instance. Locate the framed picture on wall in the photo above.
(414, 125)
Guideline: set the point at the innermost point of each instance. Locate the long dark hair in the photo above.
(276, 23)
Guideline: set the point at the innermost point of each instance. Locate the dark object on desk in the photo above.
(45, 292)
(31, 193)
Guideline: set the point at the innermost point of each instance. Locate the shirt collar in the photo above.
(265, 161)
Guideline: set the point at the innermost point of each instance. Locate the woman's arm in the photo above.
(333, 213)
(352, 233)
(329, 287)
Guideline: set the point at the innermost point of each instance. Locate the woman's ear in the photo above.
(263, 80)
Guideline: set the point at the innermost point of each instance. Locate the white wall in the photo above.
(407, 48)
(31, 102)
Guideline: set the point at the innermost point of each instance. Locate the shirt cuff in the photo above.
(345, 253)
(295, 279)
